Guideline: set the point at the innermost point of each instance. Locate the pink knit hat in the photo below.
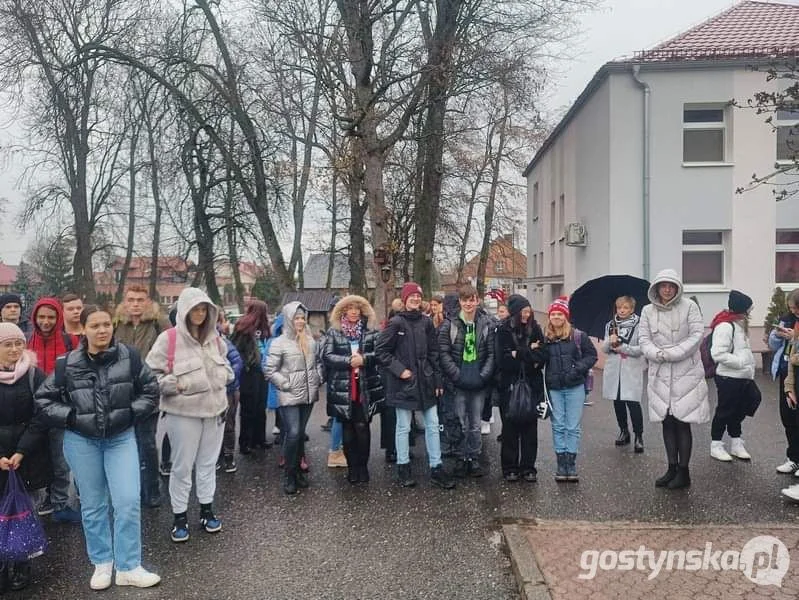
(9, 331)
(560, 305)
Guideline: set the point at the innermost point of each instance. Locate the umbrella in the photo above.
(591, 305)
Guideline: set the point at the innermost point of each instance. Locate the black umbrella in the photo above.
(591, 305)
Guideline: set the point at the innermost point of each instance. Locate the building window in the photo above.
(787, 123)
(536, 201)
(562, 215)
(787, 263)
(499, 266)
(117, 276)
(553, 226)
(703, 257)
(703, 134)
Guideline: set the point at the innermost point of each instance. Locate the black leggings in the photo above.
(357, 437)
(636, 415)
(678, 440)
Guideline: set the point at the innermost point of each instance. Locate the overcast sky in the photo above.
(618, 29)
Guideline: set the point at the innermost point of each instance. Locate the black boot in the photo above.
(290, 483)
(681, 480)
(667, 477)
(352, 475)
(440, 477)
(404, 477)
(639, 443)
(19, 575)
(561, 474)
(461, 469)
(624, 437)
(363, 474)
(302, 480)
(571, 467)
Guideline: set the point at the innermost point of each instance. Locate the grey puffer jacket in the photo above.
(297, 376)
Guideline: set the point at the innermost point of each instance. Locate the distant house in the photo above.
(506, 268)
(8, 275)
(316, 268)
(318, 303)
(248, 273)
(173, 276)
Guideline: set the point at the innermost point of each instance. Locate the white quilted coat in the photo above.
(670, 335)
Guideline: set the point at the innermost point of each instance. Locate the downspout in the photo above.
(646, 167)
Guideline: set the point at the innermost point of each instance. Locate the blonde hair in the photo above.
(625, 300)
(560, 333)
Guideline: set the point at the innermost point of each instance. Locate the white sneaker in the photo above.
(718, 452)
(791, 492)
(101, 580)
(737, 449)
(485, 428)
(138, 577)
(275, 430)
(788, 467)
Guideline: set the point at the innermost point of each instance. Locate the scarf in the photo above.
(625, 327)
(23, 365)
(725, 316)
(352, 331)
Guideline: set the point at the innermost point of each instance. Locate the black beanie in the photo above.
(516, 303)
(739, 303)
(9, 298)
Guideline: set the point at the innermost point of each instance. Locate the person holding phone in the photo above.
(780, 342)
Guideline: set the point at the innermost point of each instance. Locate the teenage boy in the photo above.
(72, 306)
(408, 350)
(11, 312)
(48, 341)
(139, 326)
(466, 343)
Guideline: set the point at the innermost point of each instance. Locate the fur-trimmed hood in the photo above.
(362, 303)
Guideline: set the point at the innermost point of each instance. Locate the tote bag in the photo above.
(21, 533)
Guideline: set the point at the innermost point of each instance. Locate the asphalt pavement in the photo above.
(340, 541)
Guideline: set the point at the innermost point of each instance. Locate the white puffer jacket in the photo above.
(731, 351)
(670, 335)
(195, 387)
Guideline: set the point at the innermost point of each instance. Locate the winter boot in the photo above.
(681, 480)
(624, 437)
(290, 483)
(571, 467)
(737, 449)
(461, 469)
(440, 478)
(353, 475)
(639, 443)
(670, 474)
(404, 477)
(562, 473)
(363, 474)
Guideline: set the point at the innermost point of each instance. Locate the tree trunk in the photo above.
(155, 187)
(231, 230)
(131, 216)
(331, 257)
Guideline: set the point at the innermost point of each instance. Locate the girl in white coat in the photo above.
(670, 333)
(623, 376)
(735, 374)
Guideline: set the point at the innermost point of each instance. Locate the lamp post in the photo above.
(383, 260)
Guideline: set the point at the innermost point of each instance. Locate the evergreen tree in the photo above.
(56, 267)
(25, 285)
(777, 308)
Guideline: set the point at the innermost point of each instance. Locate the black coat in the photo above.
(103, 397)
(510, 339)
(336, 354)
(20, 432)
(409, 342)
(451, 357)
(568, 367)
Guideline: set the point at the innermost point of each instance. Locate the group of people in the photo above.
(85, 394)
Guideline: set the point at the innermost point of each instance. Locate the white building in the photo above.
(641, 173)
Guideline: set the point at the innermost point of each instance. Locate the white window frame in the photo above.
(499, 265)
(723, 247)
(785, 248)
(536, 200)
(723, 125)
(780, 124)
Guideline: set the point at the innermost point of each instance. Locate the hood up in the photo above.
(367, 312)
(666, 275)
(288, 312)
(188, 299)
(49, 303)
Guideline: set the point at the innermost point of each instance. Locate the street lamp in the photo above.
(383, 260)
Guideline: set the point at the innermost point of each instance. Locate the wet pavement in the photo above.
(380, 541)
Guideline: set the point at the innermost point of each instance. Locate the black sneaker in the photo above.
(45, 508)
(165, 468)
(511, 476)
(461, 469)
(441, 478)
(302, 480)
(229, 465)
(19, 575)
(474, 468)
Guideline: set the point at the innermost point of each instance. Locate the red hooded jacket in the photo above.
(48, 348)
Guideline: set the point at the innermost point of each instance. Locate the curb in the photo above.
(529, 577)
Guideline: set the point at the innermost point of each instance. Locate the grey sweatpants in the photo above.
(195, 444)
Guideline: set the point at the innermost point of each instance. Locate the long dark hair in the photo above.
(254, 320)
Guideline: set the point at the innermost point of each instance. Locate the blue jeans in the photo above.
(108, 469)
(469, 407)
(293, 420)
(336, 435)
(567, 414)
(431, 436)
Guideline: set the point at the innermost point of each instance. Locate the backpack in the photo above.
(172, 342)
(589, 377)
(708, 364)
(60, 373)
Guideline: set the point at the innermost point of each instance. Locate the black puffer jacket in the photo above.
(568, 367)
(20, 432)
(409, 342)
(103, 397)
(337, 354)
(451, 357)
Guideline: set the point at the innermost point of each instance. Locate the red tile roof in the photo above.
(753, 28)
(8, 274)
